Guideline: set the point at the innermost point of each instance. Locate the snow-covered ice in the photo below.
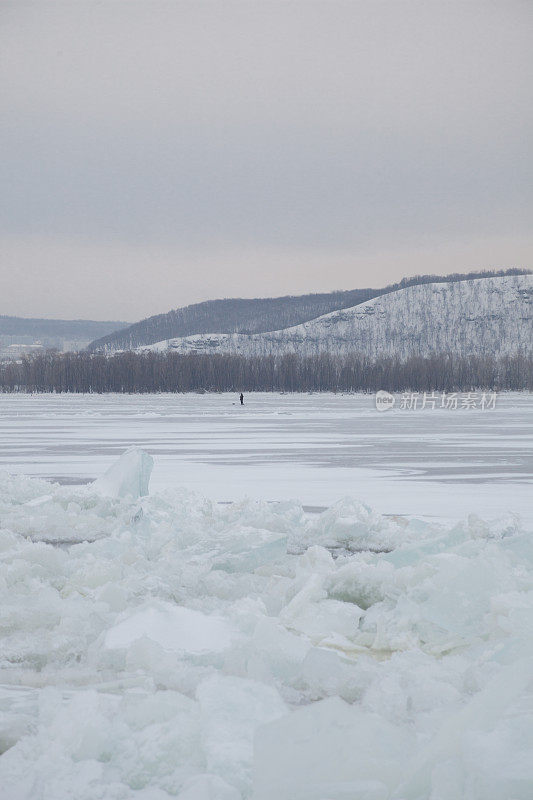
(316, 448)
(162, 644)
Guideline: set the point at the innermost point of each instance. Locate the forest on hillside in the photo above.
(239, 315)
(130, 372)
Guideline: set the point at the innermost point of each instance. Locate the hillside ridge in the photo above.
(259, 315)
(482, 316)
(37, 326)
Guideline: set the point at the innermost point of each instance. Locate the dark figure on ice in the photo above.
(242, 399)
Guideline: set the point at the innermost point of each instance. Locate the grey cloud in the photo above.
(291, 126)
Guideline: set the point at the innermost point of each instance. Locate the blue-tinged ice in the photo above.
(127, 477)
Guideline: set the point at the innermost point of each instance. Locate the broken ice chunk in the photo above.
(328, 749)
(174, 628)
(38, 501)
(129, 476)
(231, 709)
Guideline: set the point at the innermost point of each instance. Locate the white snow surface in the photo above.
(484, 316)
(169, 646)
(316, 448)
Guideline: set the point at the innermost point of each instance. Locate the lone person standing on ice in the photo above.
(242, 399)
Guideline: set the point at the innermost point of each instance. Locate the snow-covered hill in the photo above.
(486, 316)
(260, 314)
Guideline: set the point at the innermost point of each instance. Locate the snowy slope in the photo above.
(483, 316)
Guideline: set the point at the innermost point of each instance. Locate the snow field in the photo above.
(167, 646)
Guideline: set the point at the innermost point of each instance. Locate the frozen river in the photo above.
(158, 646)
(314, 448)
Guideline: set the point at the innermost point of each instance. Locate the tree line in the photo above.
(130, 372)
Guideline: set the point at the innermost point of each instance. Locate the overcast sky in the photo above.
(157, 154)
